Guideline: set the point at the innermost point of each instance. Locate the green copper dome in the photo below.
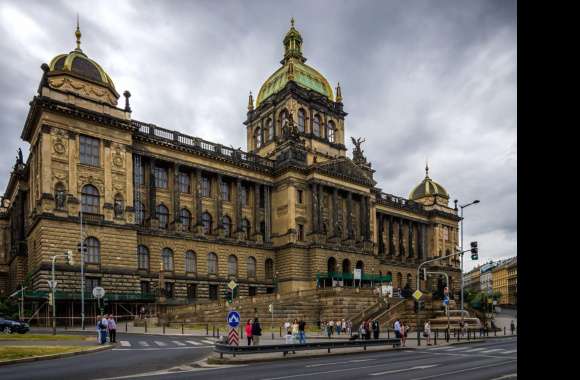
(294, 69)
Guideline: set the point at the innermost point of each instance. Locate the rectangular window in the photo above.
(138, 172)
(225, 190)
(183, 180)
(262, 197)
(300, 232)
(205, 186)
(299, 196)
(89, 150)
(252, 291)
(169, 289)
(192, 291)
(145, 287)
(160, 177)
(244, 196)
(91, 283)
(213, 292)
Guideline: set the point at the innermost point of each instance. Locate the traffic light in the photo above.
(474, 255)
(229, 296)
(423, 274)
(69, 257)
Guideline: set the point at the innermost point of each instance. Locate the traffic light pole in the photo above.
(432, 260)
(53, 288)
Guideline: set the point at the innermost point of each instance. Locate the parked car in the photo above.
(10, 326)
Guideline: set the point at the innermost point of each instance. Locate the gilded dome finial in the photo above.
(292, 44)
(338, 94)
(426, 169)
(250, 102)
(292, 22)
(78, 35)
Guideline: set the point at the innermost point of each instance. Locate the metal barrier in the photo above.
(285, 348)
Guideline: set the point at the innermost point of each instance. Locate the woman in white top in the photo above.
(295, 331)
(427, 332)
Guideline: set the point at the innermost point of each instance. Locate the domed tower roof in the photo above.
(78, 64)
(294, 69)
(428, 188)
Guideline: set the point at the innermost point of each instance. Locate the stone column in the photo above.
(320, 207)
(335, 210)
(219, 204)
(107, 171)
(367, 224)
(411, 250)
(401, 240)
(391, 243)
(349, 215)
(239, 205)
(198, 204)
(267, 213)
(152, 190)
(256, 208)
(420, 241)
(176, 200)
(315, 210)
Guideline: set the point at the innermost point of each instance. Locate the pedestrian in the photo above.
(249, 331)
(397, 328)
(302, 331)
(427, 332)
(461, 327)
(295, 331)
(376, 329)
(288, 333)
(512, 327)
(337, 327)
(112, 327)
(343, 326)
(466, 326)
(142, 312)
(103, 326)
(404, 331)
(98, 327)
(331, 326)
(256, 332)
(361, 330)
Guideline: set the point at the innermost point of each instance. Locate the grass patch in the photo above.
(19, 352)
(42, 337)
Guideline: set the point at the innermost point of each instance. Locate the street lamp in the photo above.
(462, 207)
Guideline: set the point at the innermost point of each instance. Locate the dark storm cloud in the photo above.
(420, 79)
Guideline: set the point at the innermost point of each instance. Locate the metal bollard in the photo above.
(163, 328)
(280, 331)
(182, 329)
(388, 334)
(213, 331)
(418, 338)
(125, 326)
(206, 329)
(145, 326)
(504, 330)
(436, 331)
(458, 336)
(494, 332)
(218, 332)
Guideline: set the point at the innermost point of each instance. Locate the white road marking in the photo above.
(476, 349)
(193, 342)
(510, 376)
(464, 370)
(403, 370)
(456, 349)
(208, 341)
(493, 350)
(438, 348)
(160, 344)
(178, 343)
(510, 352)
(125, 343)
(144, 344)
(165, 348)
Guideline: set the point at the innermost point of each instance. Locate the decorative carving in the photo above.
(84, 89)
(118, 158)
(357, 153)
(85, 180)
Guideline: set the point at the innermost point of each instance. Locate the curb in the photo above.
(213, 360)
(55, 356)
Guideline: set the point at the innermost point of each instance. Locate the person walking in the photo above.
(103, 326)
(376, 329)
(256, 332)
(427, 332)
(288, 333)
(295, 331)
(112, 327)
(331, 325)
(302, 331)
(337, 325)
(361, 330)
(349, 327)
(404, 332)
(397, 328)
(98, 328)
(328, 330)
(512, 327)
(249, 331)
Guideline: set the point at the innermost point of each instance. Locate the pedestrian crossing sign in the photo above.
(417, 294)
(232, 284)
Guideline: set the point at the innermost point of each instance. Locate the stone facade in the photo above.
(292, 212)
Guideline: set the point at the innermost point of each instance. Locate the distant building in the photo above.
(486, 278)
(471, 280)
(504, 281)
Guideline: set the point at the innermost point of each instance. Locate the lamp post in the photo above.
(462, 207)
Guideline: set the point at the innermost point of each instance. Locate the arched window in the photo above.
(90, 199)
(316, 126)
(167, 256)
(118, 206)
(251, 267)
(190, 262)
(360, 265)
(331, 129)
(185, 217)
(93, 255)
(232, 266)
(390, 276)
(399, 280)
(206, 223)
(346, 266)
(301, 120)
(225, 191)
(227, 225)
(212, 263)
(163, 216)
(331, 265)
(409, 280)
(270, 129)
(59, 196)
(269, 269)
(139, 213)
(246, 228)
(143, 257)
(258, 137)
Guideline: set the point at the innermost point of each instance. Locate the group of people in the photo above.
(367, 327)
(338, 327)
(295, 331)
(106, 326)
(401, 331)
(253, 331)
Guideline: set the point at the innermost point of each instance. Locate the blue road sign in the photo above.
(233, 319)
(446, 300)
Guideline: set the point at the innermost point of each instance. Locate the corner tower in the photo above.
(296, 96)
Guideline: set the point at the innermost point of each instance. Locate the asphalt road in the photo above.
(483, 361)
(136, 353)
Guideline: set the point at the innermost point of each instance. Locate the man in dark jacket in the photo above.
(256, 332)
(376, 329)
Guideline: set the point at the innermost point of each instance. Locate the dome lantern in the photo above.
(429, 188)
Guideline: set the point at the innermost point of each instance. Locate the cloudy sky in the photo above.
(420, 80)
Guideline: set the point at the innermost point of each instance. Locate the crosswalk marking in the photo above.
(476, 349)
(493, 350)
(125, 343)
(160, 344)
(193, 342)
(178, 343)
(208, 341)
(143, 343)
